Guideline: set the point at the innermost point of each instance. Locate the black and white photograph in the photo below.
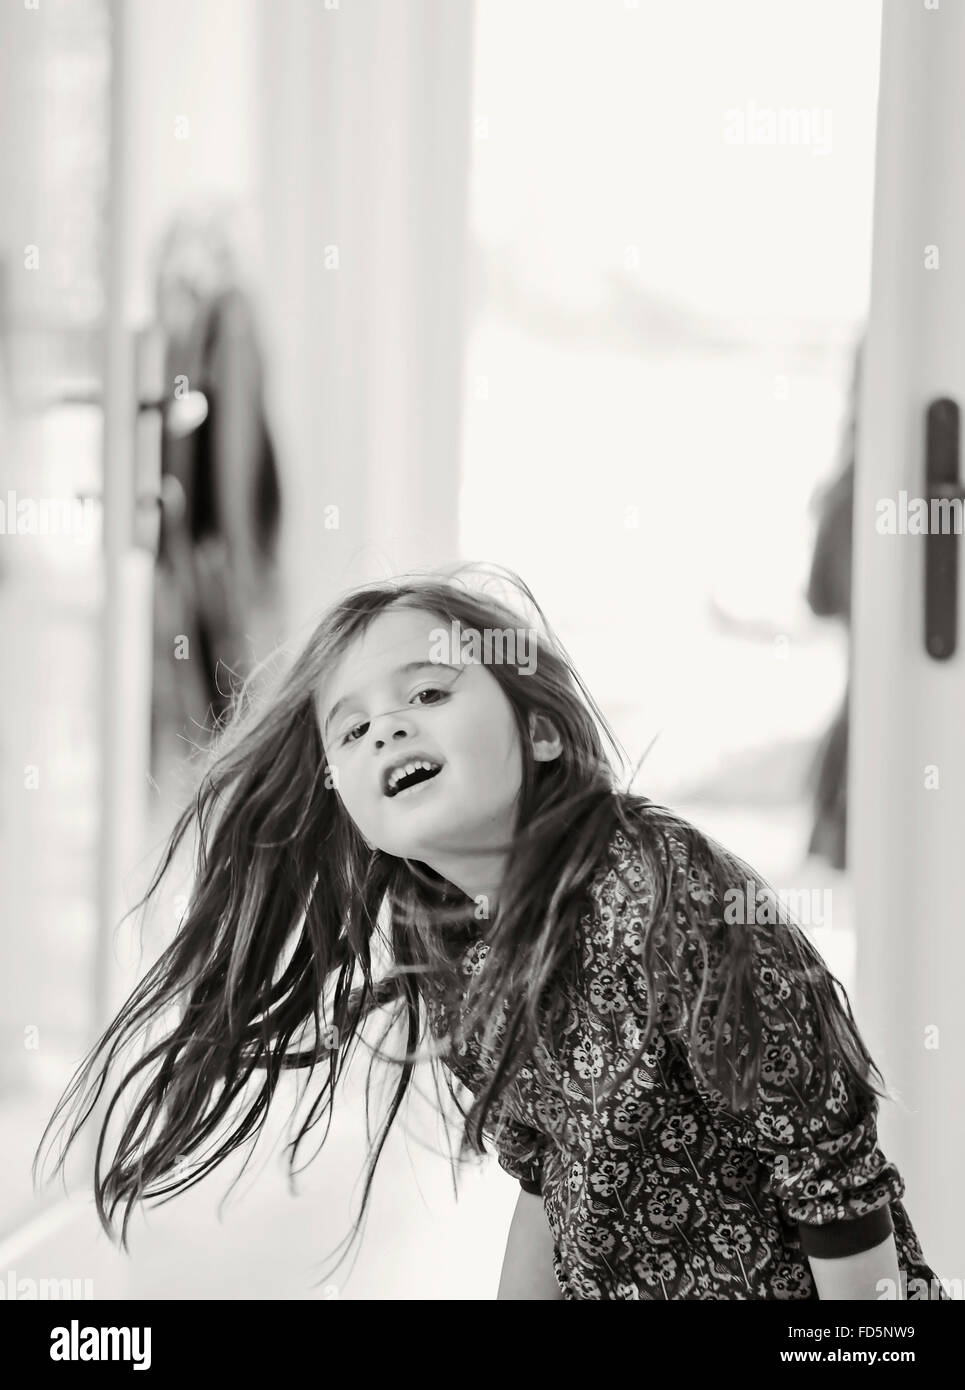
(482, 760)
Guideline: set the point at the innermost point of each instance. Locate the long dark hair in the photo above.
(276, 962)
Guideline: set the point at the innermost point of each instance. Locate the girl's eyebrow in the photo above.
(405, 670)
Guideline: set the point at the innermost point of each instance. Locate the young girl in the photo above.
(423, 819)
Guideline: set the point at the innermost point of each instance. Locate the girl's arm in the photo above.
(857, 1276)
(528, 1263)
(812, 1125)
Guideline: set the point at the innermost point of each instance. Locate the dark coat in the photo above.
(218, 543)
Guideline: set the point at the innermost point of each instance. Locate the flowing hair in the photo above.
(276, 963)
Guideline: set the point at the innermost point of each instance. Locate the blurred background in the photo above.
(293, 295)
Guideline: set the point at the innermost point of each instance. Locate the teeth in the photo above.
(396, 775)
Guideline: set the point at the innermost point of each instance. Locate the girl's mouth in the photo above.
(406, 778)
(416, 789)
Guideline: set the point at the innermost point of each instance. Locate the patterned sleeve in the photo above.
(519, 1150)
(826, 1170)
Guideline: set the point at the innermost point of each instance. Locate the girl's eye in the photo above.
(431, 690)
(349, 737)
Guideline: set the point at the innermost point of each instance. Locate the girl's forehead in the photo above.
(391, 640)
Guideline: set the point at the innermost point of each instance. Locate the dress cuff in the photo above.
(835, 1239)
(532, 1187)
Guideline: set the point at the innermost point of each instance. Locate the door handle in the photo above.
(942, 484)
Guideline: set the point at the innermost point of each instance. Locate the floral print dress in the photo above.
(654, 1189)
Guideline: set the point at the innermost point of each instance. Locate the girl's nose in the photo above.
(397, 727)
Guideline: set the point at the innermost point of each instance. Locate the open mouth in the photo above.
(404, 776)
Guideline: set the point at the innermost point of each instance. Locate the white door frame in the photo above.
(906, 793)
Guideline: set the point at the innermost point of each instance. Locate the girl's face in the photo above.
(387, 704)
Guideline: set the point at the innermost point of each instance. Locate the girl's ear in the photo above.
(546, 742)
